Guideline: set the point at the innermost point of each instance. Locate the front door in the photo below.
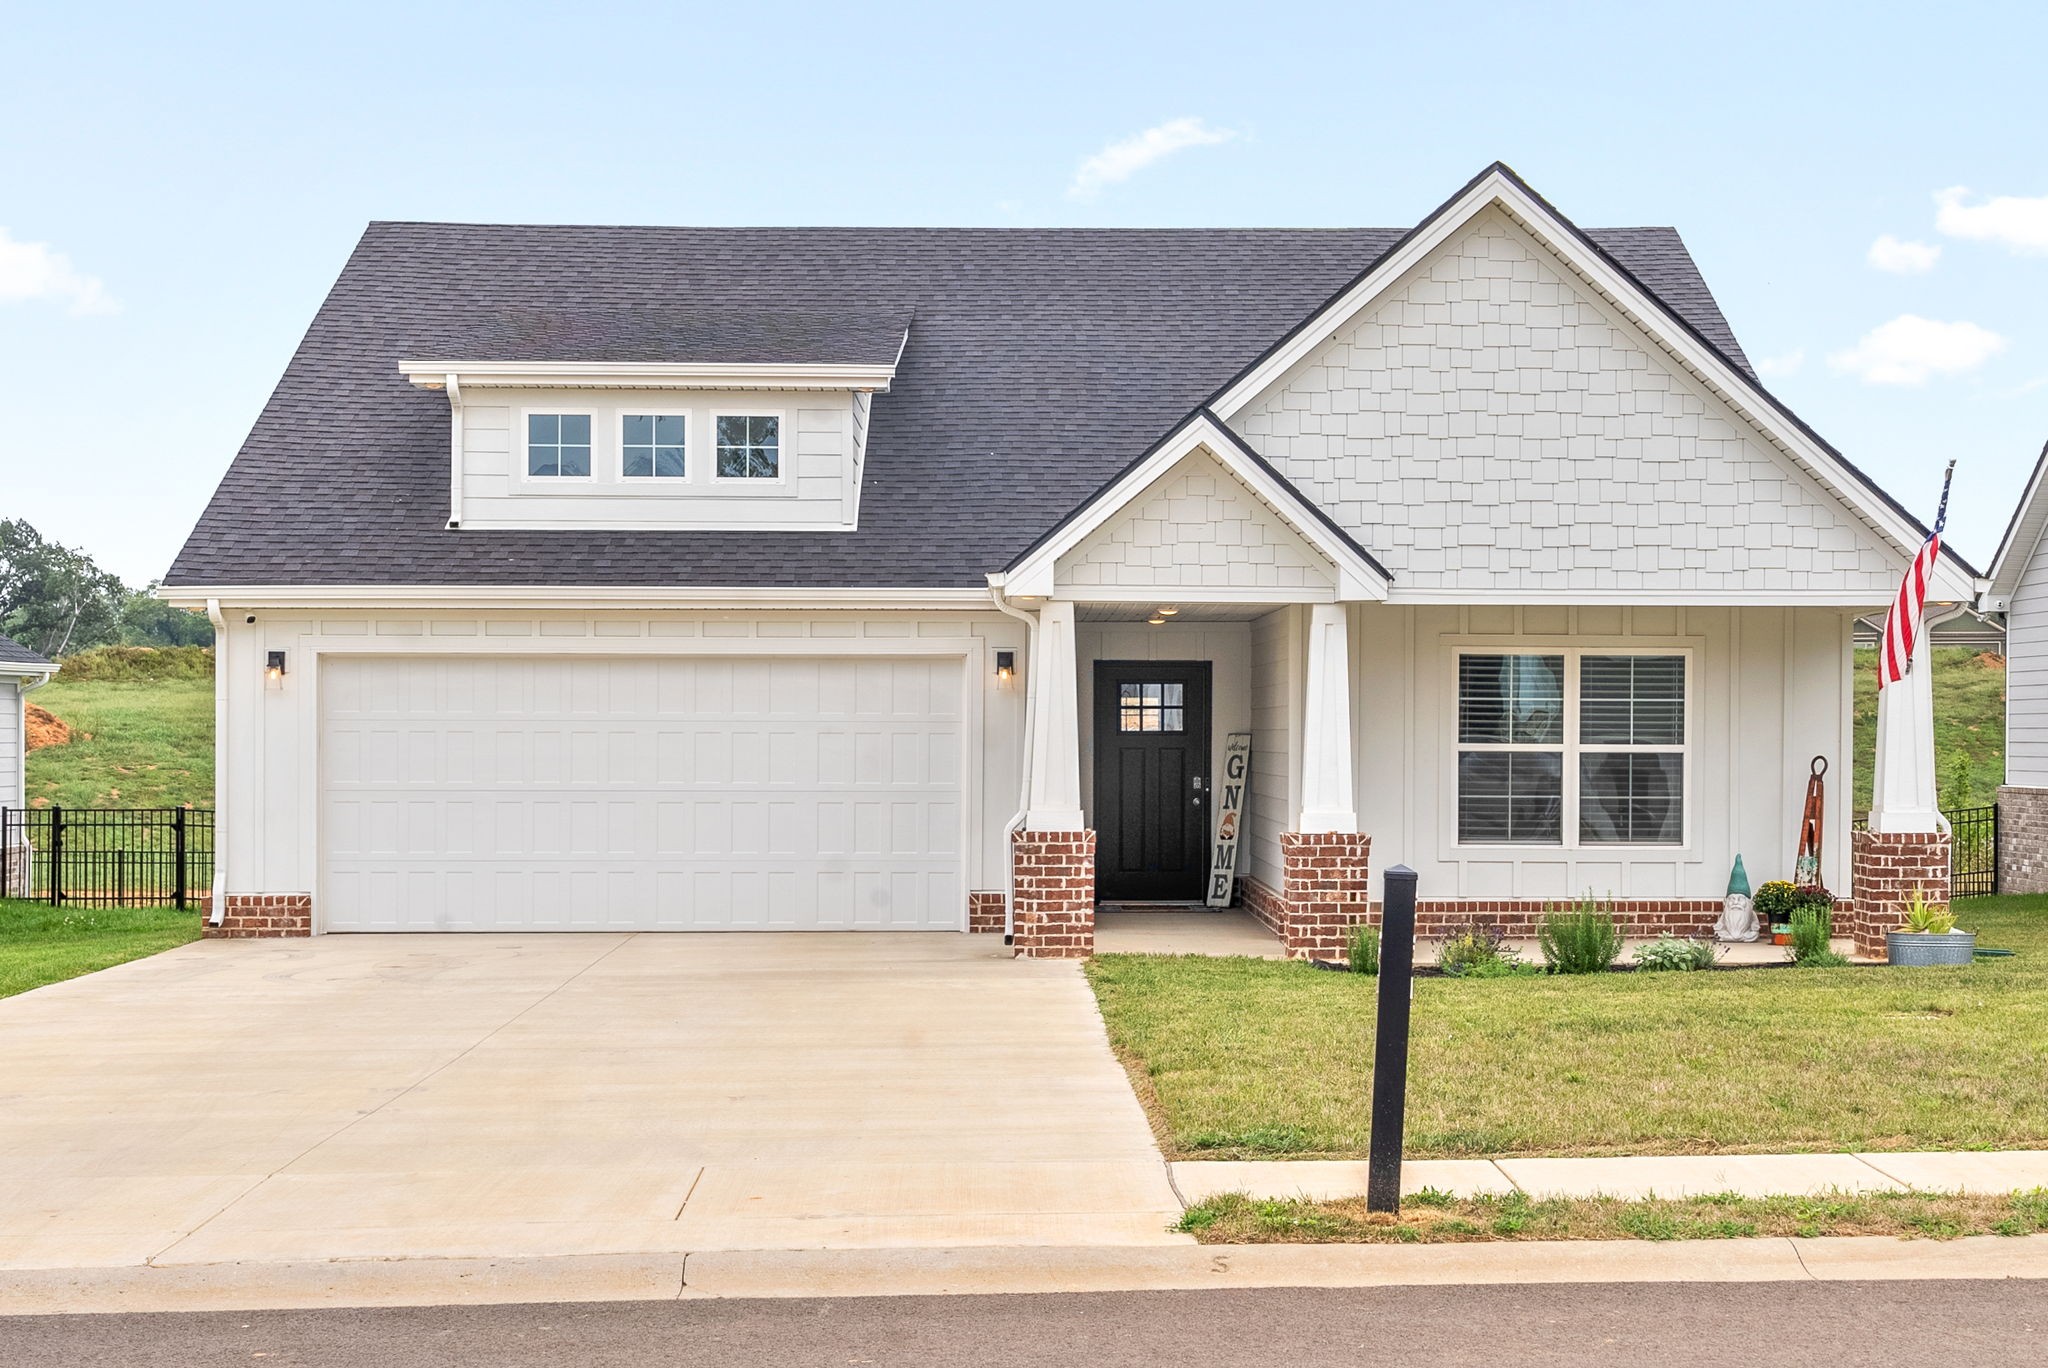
(1151, 780)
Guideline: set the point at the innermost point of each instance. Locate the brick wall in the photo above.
(1520, 917)
(985, 913)
(1884, 867)
(1323, 892)
(1054, 914)
(264, 915)
(2022, 840)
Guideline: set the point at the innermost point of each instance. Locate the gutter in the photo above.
(220, 763)
(1030, 621)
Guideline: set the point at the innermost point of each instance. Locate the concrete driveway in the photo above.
(502, 1095)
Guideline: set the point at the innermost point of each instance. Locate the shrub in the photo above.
(134, 664)
(1475, 952)
(1669, 954)
(1582, 939)
(1935, 919)
(1773, 901)
(1362, 949)
(1811, 929)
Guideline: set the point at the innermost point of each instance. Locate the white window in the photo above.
(749, 447)
(558, 446)
(651, 446)
(1571, 747)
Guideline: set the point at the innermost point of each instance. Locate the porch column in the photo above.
(1053, 856)
(1907, 846)
(1325, 861)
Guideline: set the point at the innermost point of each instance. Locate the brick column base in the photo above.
(1886, 866)
(985, 914)
(252, 916)
(1054, 915)
(2022, 840)
(1323, 893)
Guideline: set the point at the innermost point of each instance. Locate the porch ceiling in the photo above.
(1188, 612)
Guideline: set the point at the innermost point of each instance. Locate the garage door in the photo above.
(698, 794)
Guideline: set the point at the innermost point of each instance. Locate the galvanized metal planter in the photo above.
(1922, 949)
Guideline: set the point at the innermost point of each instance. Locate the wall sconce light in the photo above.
(1006, 667)
(273, 670)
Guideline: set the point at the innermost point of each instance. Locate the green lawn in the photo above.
(1243, 1058)
(146, 743)
(41, 944)
(1969, 726)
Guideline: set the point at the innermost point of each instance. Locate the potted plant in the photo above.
(1773, 904)
(1929, 935)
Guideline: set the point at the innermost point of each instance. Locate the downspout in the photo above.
(1030, 621)
(454, 383)
(220, 762)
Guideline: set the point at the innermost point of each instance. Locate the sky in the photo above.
(1865, 186)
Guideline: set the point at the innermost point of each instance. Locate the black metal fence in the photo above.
(109, 857)
(1973, 851)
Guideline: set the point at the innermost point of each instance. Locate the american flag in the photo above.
(1902, 623)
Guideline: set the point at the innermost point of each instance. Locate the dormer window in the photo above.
(651, 446)
(749, 447)
(558, 446)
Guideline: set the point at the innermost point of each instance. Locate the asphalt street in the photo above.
(1929, 1324)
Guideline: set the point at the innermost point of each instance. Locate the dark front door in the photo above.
(1151, 779)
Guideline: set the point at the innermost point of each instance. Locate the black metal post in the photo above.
(1390, 1042)
(178, 844)
(56, 853)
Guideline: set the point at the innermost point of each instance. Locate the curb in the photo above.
(999, 1270)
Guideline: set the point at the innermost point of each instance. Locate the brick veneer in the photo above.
(1054, 915)
(1520, 917)
(1323, 892)
(1884, 867)
(264, 915)
(985, 913)
(2022, 839)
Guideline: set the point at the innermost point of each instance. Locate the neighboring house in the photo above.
(2018, 589)
(20, 670)
(708, 578)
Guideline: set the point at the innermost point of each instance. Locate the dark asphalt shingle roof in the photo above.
(741, 336)
(1040, 362)
(14, 653)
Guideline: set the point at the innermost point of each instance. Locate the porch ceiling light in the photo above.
(1157, 619)
(1167, 610)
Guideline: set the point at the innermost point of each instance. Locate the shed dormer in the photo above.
(580, 419)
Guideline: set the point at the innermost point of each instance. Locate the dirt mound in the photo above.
(45, 729)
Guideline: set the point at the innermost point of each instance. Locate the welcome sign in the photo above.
(1237, 768)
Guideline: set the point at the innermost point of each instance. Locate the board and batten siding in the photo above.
(817, 491)
(2026, 674)
(13, 744)
(270, 819)
(1769, 689)
(1491, 425)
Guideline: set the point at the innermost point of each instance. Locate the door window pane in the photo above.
(1151, 707)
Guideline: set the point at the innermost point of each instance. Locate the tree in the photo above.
(54, 599)
(147, 620)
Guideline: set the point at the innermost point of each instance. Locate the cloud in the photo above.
(30, 270)
(1902, 258)
(1121, 160)
(1788, 364)
(1910, 349)
(2021, 224)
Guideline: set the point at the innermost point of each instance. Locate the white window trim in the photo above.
(1573, 654)
(691, 452)
(523, 454)
(785, 452)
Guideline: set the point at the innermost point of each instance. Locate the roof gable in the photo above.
(2022, 535)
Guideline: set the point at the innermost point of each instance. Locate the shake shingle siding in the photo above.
(1039, 363)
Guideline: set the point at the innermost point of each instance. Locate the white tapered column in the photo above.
(1055, 729)
(1327, 801)
(1902, 796)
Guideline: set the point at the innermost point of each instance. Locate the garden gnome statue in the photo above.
(1738, 916)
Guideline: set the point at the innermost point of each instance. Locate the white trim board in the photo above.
(571, 597)
(1745, 396)
(430, 374)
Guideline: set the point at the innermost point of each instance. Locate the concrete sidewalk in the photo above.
(1749, 1175)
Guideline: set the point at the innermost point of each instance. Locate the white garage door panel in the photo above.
(488, 793)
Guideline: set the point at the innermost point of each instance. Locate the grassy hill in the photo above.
(141, 731)
(1969, 725)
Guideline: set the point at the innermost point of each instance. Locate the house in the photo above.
(708, 579)
(2017, 588)
(20, 670)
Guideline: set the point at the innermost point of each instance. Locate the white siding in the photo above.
(270, 820)
(1770, 690)
(2026, 679)
(13, 747)
(1279, 647)
(1490, 424)
(818, 490)
(1197, 527)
